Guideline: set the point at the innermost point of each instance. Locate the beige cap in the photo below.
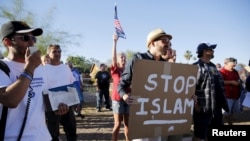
(247, 68)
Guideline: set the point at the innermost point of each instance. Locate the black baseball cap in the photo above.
(204, 46)
(13, 27)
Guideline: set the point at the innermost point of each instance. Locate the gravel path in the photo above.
(96, 126)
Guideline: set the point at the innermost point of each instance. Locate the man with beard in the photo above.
(157, 45)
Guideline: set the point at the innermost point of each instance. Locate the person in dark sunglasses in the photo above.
(21, 89)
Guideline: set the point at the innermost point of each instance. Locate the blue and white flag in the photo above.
(118, 27)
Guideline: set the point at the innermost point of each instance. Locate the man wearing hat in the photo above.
(21, 88)
(157, 44)
(209, 93)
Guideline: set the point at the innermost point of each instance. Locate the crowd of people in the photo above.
(26, 77)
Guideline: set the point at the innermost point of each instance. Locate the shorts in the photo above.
(120, 107)
(233, 105)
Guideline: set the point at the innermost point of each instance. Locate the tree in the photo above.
(81, 63)
(93, 61)
(18, 12)
(188, 55)
(129, 54)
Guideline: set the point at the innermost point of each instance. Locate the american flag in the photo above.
(118, 27)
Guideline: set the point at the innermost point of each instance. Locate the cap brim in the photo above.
(213, 46)
(165, 35)
(34, 31)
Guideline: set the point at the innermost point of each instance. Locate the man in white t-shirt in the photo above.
(21, 89)
(59, 74)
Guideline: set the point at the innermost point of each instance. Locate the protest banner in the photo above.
(162, 94)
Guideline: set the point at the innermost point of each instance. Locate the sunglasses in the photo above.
(164, 40)
(26, 38)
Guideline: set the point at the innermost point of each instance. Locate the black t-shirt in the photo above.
(103, 79)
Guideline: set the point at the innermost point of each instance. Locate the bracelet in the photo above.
(24, 74)
(28, 72)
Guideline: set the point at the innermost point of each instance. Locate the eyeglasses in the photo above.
(26, 38)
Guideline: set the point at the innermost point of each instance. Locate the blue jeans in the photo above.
(99, 97)
(242, 97)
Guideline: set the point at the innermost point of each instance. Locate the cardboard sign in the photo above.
(162, 94)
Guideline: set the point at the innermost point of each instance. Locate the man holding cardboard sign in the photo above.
(151, 100)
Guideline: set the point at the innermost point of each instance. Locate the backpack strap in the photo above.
(3, 120)
(4, 68)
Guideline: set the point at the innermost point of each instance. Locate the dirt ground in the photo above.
(97, 126)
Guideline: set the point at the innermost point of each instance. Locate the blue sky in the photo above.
(223, 22)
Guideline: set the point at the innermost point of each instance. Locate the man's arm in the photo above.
(230, 82)
(11, 95)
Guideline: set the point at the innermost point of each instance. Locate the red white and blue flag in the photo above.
(118, 27)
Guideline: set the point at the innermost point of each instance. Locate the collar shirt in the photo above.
(209, 87)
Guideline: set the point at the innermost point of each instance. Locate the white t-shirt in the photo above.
(35, 128)
(58, 75)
